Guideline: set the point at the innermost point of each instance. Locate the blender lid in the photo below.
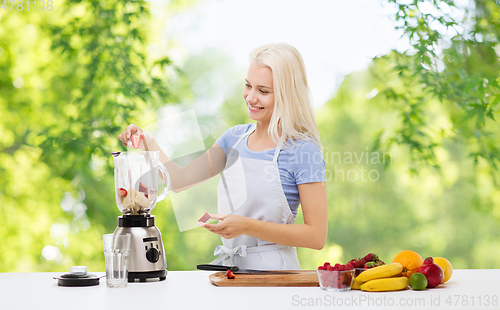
(78, 276)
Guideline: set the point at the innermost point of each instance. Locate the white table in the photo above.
(467, 289)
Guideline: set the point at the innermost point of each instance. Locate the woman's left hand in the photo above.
(231, 226)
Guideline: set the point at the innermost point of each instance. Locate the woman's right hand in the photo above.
(129, 131)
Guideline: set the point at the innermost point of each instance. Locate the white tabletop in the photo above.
(467, 289)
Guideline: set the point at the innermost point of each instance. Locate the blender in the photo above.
(136, 191)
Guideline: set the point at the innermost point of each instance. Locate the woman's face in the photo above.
(258, 93)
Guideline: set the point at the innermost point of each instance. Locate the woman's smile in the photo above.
(258, 93)
(254, 108)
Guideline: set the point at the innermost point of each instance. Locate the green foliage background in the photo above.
(421, 124)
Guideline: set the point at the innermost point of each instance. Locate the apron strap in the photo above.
(252, 129)
(278, 148)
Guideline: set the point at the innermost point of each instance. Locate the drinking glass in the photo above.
(116, 250)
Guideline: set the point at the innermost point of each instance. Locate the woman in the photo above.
(278, 159)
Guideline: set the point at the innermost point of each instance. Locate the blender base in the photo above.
(144, 276)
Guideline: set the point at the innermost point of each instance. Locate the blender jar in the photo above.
(136, 181)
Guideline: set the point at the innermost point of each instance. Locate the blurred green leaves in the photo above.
(455, 59)
(106, 46)
(405, 203)
(71, 80)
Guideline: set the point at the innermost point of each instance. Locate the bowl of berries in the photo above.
(336, 278)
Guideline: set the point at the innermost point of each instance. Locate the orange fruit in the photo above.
(410, 260)
(446, 266)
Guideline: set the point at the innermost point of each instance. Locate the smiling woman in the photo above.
(293, 112)
(259, 98)
(262, 184)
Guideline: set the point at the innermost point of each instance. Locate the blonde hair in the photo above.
(293, 110)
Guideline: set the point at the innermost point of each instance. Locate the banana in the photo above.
(355, 285)
(384, 271)
(385, 284)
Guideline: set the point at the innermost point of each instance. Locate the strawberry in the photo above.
(346, 279)
(136, 140)
(374, 264)
(122, 192)
(371, 257)
(356, 262)
(143, 188)
(325, 279)
(230, 274)
(204, 218)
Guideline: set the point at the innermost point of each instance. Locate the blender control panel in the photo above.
(152, 249)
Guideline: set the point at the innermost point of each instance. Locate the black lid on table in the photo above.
(78, 277)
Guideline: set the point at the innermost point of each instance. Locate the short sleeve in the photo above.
(230, 136)
(222, 140)
(309, 165)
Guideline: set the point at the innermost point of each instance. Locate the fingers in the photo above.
(220, 229)
(214, 227)
(120, 137)
(135, 129)
(129, 131)
(218, 216)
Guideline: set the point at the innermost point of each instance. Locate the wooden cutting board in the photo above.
(301, 278)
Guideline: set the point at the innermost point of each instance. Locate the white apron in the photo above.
(263, 200)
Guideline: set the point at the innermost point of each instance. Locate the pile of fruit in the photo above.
(370, 260)
(136, 201)
(407, 268)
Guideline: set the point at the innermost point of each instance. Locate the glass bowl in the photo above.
(337, 281)
(357, 271)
